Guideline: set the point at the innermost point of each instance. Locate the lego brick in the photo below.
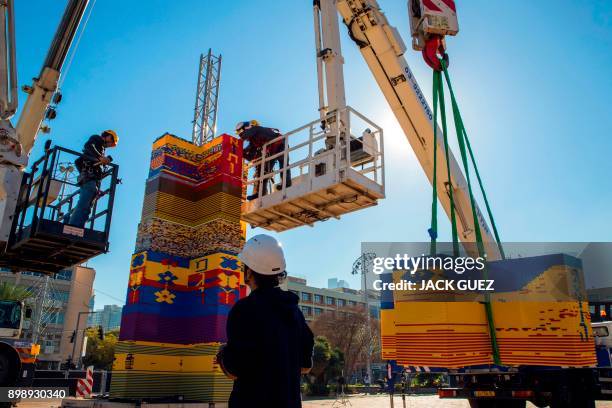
(539, 312)
(165, 236)
(188, 212)
(184, 275)
(207, 387)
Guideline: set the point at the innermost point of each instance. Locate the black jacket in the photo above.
(268, 342)
(87, 165)
(257, 137)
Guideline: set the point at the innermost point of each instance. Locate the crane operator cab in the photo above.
(41, 239)
(327, 168)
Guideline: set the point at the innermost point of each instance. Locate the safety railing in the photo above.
(50, 191)
(305, 152)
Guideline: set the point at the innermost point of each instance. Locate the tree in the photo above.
(327, 364)
(9, 291)
(348, 330)
(100, 352)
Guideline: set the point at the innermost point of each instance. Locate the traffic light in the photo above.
(73, 336)
(100, 333)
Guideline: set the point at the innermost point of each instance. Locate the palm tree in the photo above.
(9, 291)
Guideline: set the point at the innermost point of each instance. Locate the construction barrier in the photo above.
(85, 385)
(69, 379)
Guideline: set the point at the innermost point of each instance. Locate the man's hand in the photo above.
(305, 370)
(219, 358)
(105, 160)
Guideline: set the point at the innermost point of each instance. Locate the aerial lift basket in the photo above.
(333, 172)
(40, 240)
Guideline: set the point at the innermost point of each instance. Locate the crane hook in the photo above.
(434, 52)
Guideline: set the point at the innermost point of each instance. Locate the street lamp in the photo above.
(363, 265)
(76, 332)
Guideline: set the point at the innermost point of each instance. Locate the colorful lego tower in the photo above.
(184, 275)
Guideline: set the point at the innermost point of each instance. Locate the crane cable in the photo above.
(76, 46)
(465, 148)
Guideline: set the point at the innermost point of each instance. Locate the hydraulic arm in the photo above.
(16, 143)
(383, 49)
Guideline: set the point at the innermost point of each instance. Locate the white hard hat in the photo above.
(264, 255)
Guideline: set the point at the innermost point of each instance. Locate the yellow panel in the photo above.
(169, 139)
(153, 269)
(214, 261)
(161, 363)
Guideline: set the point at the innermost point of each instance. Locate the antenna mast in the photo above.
(207, 96)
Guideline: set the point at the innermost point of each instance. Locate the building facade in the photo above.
(316, 301)
(57, 303)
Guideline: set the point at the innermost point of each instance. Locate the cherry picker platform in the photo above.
(333, 172)
(40, 240)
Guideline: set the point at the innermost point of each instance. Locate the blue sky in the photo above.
(532, 80)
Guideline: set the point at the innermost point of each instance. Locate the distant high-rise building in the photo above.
(92, 302)
(335, 283)
(109, 317)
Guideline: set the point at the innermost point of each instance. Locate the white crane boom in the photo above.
(383, 49)
(43, 87)
(16, 143)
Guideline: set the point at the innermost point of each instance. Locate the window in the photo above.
(318, 298)
(306, 297)
(318, 311)
(341, 302)
(60, 318)
(352, 303)
(330, 300)
(61, 296)
(600, 331)
(307, 310)
(65, 274)
(50, 346)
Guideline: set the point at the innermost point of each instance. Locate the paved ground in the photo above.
(427, 401)
(359, 401)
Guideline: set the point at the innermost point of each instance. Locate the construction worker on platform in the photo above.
(90, 167)
(257, 136)
(269, 345)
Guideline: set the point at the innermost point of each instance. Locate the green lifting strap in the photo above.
(433, 230)
(433, 233)
(465, 141)
(461, 136)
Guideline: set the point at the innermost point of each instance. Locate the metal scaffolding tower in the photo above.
(45, 307)
(207, 96)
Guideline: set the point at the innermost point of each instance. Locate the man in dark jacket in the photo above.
(269, 345)
(90, 170)
(257, 136)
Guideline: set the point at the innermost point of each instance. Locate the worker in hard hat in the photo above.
(90, 166)
(256, 137)
(269, 345)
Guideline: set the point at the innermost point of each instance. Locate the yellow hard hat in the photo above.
(113, 134)
(254, 122)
